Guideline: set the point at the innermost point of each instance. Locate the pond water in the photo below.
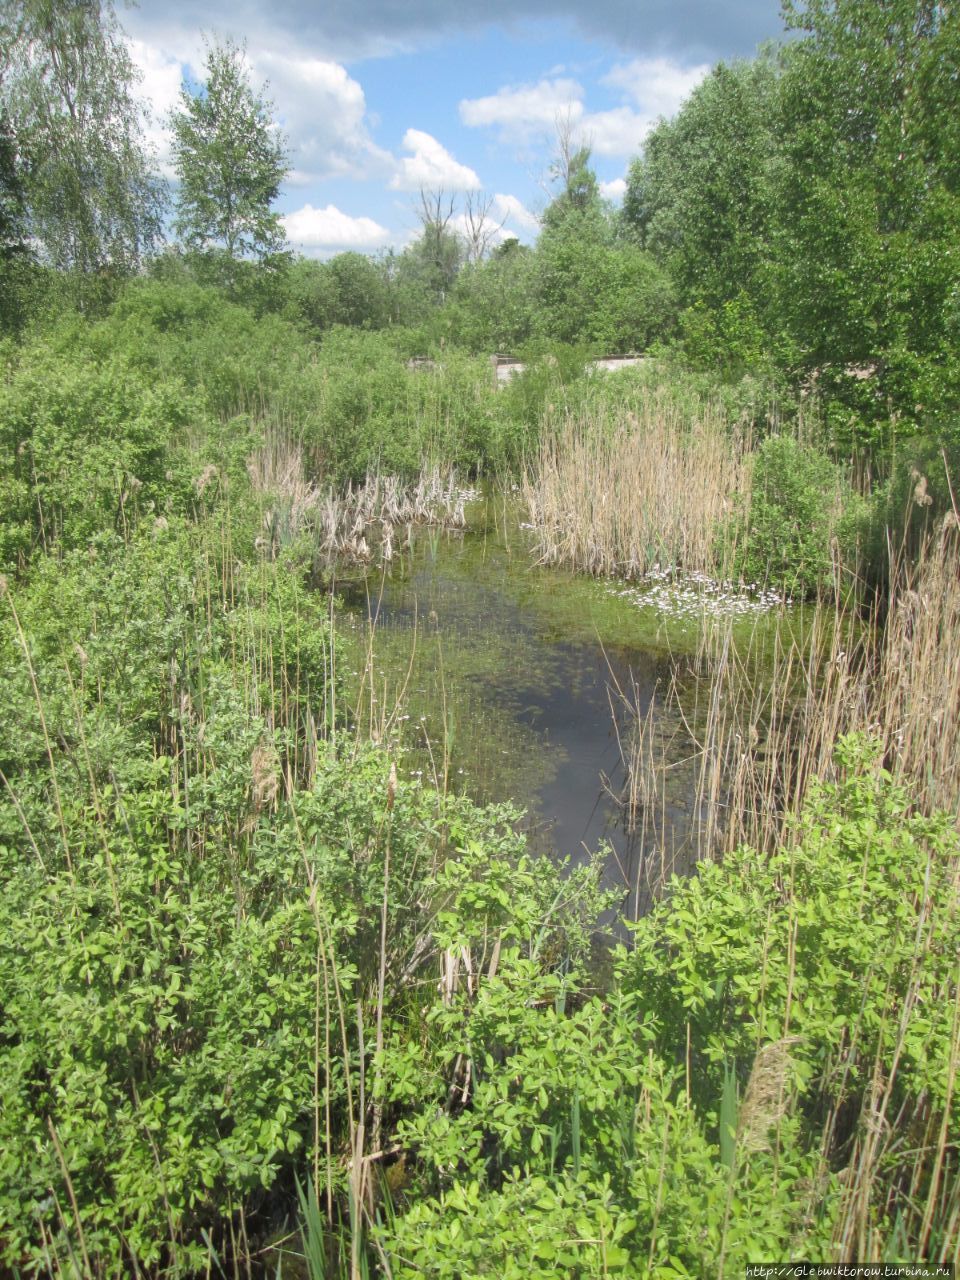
(506, 678)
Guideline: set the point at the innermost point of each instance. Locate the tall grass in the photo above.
(626, 492)
(745, 725)
(352, 521)
(751, 726)
(915, 702)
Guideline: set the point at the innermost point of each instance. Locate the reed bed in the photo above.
(358, 522)
(745, 725)
(745, 728)
(915, 702)
(724, 751)
(630, 493)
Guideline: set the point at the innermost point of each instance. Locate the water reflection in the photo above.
(511, 677)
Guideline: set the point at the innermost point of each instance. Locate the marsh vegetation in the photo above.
(454, 830)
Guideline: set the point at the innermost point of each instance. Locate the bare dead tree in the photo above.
(568, 143)
(436, 209)
(440, 246)
(480, 231)
(570, 157)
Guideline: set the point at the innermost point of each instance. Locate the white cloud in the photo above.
(431, 166)
(657, 85)
(651, 87)
(160, 79)
(319, 106)
(515, 213)
(323, 111)
(525, 110)
(614, 190)
(329, 228)
(619, 132)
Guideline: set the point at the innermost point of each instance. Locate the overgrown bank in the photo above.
(268, 1005)
(258, 955)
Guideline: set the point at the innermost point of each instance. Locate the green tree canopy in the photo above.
(700, 196)
(807, 207)
(870, 196)
(429, 266)
(570, 171)
(15, 253)
(610, 295)
(593, 285)
(494, 302)
(66, 92)
(13, 208)
(231, 160)
(362, 297)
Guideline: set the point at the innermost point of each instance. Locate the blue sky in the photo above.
(388, 96)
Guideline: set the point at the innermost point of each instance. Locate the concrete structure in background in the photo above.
(505, 367)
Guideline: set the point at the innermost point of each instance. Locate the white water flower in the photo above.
(697, 595)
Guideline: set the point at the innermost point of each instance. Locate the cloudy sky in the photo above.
(381, 98)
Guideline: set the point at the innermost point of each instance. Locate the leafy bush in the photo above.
(88, 446)
(157, 1023)
(237, 361)
(729, 338)
(920, 489)
(492, 307)
(153, 1032)
(552, 373)
(795, 501)
(593, 1137)
(371, 410)
(127, 651)
(831, 925)
(610, 297)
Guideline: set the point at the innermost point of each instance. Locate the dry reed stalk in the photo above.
(766, 1099)
(770, 723)
(348, 523)
(916, 701)
(646, 743)
(899, 679)
(265, 779)
(277, 469)
(725, 754)
(760, 717)
(68, 1183)
(630, 493)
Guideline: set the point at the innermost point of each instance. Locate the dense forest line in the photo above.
(271, 1003)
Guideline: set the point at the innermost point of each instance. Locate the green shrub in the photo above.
(729, 338)
(237, 361)
(372, 411)
(611, 297)
(603, 1136)
(155, 1029)
(794, 507)
(130, 654)
(89, 446)
(159, 1021)
(492, 308)
(830, 923)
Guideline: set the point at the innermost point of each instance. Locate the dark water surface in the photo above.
(510, 675)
